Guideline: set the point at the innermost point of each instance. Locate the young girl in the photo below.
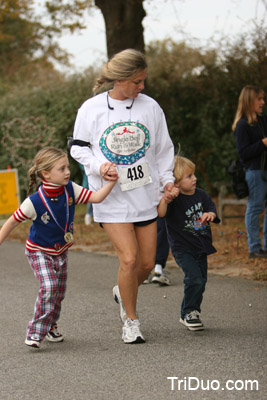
(51, 209)
(188, 224)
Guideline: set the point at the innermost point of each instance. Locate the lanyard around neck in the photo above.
(43, 198)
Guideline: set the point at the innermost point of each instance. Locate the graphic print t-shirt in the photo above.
(137, 140)
(184, 226)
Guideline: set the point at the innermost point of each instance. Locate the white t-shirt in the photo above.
(137, 140)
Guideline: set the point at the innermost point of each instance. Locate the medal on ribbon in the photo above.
(68, 237)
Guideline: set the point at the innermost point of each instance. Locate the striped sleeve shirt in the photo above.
(27, 210)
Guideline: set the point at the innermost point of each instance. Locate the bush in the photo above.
(27, 114)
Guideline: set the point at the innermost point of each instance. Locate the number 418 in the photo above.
(135, 173)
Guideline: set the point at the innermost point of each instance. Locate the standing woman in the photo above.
(250, 129)
(128, 138)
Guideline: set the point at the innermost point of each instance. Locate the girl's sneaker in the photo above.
(35, 343)
(53, 335)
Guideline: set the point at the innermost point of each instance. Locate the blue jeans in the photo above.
(163, 247)
(257, 202)
(195, 267)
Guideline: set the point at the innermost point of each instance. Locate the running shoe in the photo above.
(162, 279)
(192, 321)
(32, 342)
(88, 220)
(117, 298)
(131, 332)
(148, 280)
(53, 335)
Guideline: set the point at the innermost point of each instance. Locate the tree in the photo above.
(28, 36)
(29, 31)
(26, 45)
(19, 37)
(123, 20)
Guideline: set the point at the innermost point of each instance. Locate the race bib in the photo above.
(134, 177)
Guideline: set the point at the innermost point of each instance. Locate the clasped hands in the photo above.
(108, 171)
(170, 192)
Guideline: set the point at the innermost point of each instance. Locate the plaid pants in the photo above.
(51, 272)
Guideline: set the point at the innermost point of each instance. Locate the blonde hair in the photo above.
(245, 104)
(121, 66)
(181, 166)
(44, 160)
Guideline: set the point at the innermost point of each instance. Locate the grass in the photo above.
(229, 239)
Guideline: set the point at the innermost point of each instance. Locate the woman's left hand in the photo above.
(169, 193)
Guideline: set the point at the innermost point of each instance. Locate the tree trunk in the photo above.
(123, 20)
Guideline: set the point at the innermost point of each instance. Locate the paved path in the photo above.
(94, 364)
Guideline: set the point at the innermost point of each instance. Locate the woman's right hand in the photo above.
(264, 140)
(108, 171)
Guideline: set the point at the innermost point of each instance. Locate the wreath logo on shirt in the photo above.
(124, 143)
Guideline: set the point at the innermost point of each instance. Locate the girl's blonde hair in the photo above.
(44, 160)
(245, 105)
(121, 66)
(181, 166)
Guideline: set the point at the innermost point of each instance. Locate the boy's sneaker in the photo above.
(53, 335)
(192, 321)
(35, 343)
(162, 279)
(131, 332)
(117, 298)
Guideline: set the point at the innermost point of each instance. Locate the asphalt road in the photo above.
(225, 361)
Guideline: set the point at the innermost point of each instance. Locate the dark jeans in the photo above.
(257, 203)
(163, 247)
(195, 268)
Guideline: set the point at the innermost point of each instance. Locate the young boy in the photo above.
(188, 219)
